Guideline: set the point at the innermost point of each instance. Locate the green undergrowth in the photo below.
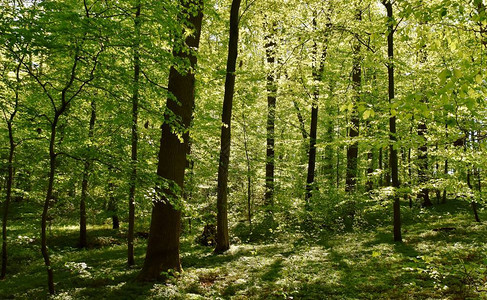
(443, 256)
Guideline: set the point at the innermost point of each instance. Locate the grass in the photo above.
(364, 264)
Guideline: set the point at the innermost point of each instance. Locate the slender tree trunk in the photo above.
(163, 245)
(302, 128)
(318, 69)
(249, 169)
(423, 166)
(271, 86)
(352, 150)
(443, 200)
(10, 173)
(222, 240)
(410, 177)
(329, 151)
(473, 203)
(112, 205)
(84, 184)
(381, 180)
(135, 115)
(8, 196)
(393, 161)
(50, 186)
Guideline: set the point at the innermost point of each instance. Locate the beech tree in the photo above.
(163, 245)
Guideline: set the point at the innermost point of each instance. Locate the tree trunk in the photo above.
(423, 166)
(10, 173)
(393, 161)
(222, 240)
(317, 73)
(381, 177)
(112, 206)
(135, 115)
(249, 177)
(271, 87)
(8, 195)
(352, 150)
(163, 245)
(84, 184)
(52, 172)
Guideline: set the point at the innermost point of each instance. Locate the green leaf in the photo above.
(478, 78)
(457, 73)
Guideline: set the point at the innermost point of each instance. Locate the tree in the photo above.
(353, 131)
(9, 116)
(222, 240)
(271, 86)
(162, 253)
(135, 114)
(84, 185)
(318, 69)
(393, 161)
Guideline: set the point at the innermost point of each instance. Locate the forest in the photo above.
(243, 149)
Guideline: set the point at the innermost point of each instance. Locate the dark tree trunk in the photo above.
(8, 196)
(423, 166)
(135, 115)
(84, 184)
(49, 196)
(10, 173)
(393, 161)
(318, 69)
(352, 150)
(222, 240)
(163, 245)
(302, 128)
(271, 86)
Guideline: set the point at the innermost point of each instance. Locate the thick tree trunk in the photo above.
(135, 138)
(271, 86)
(393, 161)
(84, 184)
(222, 240)
(163, 245)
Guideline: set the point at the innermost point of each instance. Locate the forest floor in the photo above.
(443, 256)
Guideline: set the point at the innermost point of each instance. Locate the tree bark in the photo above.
(135, 138)
(352, 150)
(393, 161)
(163, 245)
(271, 87)
(222, 239)
(318, 69)
(249, 175)
(10, 172)
(423, 166)
(49, 192)
(84, 184)
(8, 196)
